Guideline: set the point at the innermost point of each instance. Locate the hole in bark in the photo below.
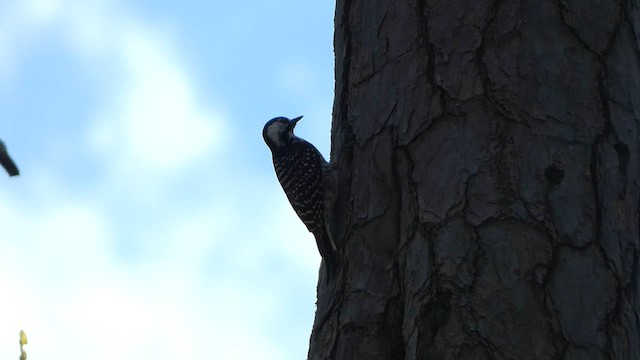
(623, 156)
(434, 314)
(554, 175)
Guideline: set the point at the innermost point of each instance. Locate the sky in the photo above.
(147, 222)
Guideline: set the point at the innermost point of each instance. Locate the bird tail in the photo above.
(329, 254)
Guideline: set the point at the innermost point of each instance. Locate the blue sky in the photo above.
(147, 222)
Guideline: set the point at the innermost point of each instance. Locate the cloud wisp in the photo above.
(61, 274)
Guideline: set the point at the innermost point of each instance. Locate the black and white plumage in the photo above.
(6, 161)
(300, 168)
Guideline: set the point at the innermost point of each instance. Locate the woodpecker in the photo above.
(302, 170)
(6, 161)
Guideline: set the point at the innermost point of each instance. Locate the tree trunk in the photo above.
(487, 157)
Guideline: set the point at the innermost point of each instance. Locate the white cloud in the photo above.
(297, 78)
(156, 122)
(61, 276)
(48, 252)
(299, 246)
(94, 28)
(63, 285)
(40, 12)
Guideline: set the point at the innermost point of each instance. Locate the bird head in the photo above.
(278, 132)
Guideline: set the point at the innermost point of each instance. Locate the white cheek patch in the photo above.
(274, 131)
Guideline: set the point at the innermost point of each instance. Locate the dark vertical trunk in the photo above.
(487, 156)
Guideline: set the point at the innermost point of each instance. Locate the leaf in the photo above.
(23, 338)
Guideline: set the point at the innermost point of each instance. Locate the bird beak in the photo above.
(295, 120)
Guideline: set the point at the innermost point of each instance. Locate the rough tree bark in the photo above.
(488, 170)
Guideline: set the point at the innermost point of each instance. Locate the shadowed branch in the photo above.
(6, 161)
